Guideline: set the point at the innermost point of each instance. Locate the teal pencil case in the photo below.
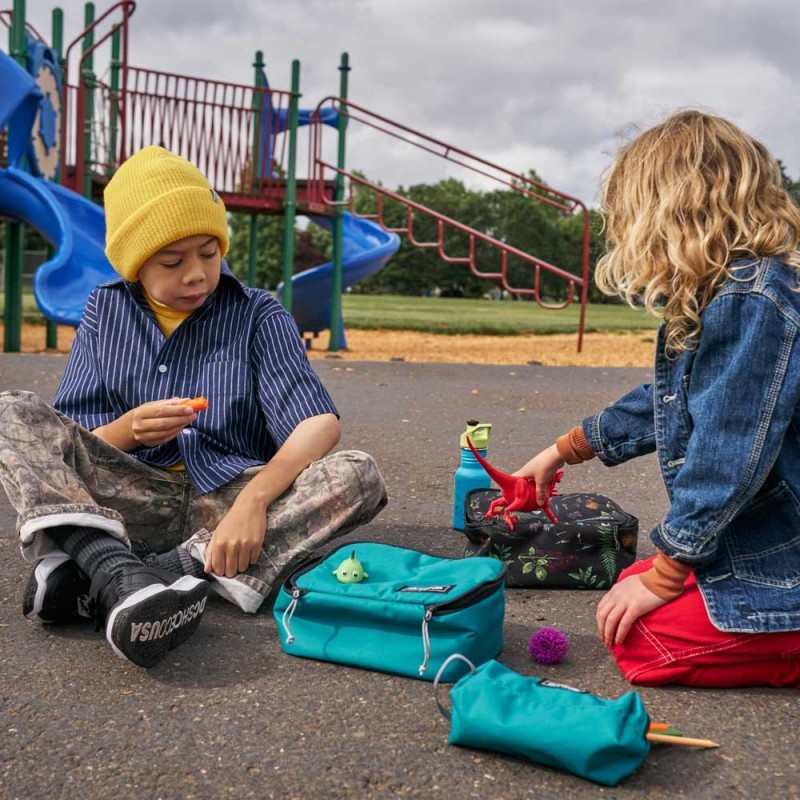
(411, 612)
(495, 708)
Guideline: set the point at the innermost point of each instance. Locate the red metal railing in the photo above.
(6, 18)
(216, 125)
(535, 190)
(228, 130)
(74, 134)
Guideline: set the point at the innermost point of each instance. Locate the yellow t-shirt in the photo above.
(167, 317)
(168, 320)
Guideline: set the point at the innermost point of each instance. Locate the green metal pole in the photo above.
(290, 208)
(88, 76)
(252, 250)
(258, 133)
(116, 63)
(15, 245)
(338, 226)
(51, 329)
(15, 239)
(253, 180)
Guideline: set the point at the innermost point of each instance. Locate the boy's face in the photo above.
(184, 273)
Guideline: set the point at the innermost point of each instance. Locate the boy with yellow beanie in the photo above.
(130, 503)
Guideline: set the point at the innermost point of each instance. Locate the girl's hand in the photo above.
(542, 469)
(621, 606)
(236, 542)
(159, 421)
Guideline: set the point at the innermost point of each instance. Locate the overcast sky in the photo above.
(549, 86)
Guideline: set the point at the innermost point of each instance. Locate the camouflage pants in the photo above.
(57, 473)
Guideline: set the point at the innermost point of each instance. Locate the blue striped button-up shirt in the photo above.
(240, 349)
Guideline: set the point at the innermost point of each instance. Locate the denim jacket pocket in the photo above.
(760, 552)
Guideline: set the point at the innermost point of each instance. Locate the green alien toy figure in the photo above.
(350, 570)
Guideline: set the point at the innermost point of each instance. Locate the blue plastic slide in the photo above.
(75, 227)
(366, 248)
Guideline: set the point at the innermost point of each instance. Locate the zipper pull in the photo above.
(288, 614)
(426, 641)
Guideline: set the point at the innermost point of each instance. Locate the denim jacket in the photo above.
(724, 420)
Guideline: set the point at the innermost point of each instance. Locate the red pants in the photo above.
(676, 643)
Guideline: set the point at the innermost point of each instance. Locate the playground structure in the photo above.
(68, 130)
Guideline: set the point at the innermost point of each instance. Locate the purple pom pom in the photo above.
(548, 646)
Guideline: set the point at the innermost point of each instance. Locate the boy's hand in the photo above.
(147, 425)
(159, 421)
(542, 468)
(621, 606)
(236, 542)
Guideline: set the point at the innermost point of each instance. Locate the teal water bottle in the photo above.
(470, 474)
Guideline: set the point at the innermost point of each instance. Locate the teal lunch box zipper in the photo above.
(470, 598)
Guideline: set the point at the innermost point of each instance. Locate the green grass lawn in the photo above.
(30, 311)
(505, 318)
(454, 316)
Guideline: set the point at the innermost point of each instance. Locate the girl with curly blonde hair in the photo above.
(703, 234)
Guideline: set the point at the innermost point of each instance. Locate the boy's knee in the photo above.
(21, 404)
(362, 465)
(360, 475)
(12, 396)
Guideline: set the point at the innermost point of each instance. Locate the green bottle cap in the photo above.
(478, 433)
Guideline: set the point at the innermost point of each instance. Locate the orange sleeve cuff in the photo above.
(666, 577)
(573, 447)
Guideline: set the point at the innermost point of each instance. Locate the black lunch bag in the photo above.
(592, 542)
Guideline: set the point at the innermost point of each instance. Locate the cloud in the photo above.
(530, 84)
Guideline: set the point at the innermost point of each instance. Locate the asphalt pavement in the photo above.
(230, 715)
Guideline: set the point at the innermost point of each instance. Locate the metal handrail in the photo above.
(473, 234)
(384, 125)
(7, 16)
(533, 189)
(127, 7)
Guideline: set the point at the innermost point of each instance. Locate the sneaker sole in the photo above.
(146, 625)
(40, 593)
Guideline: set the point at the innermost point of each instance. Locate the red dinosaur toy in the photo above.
(516, 494)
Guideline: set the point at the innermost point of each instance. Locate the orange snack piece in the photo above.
(196, 404)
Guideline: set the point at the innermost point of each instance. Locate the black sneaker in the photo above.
(148, 611)
(57, 591)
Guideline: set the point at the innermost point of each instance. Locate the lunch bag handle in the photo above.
(445, 713)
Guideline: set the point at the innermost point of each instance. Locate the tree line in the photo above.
(548, 233)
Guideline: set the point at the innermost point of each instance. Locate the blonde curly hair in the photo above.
(682, 202)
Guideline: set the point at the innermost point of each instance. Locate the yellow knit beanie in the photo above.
(154, 199)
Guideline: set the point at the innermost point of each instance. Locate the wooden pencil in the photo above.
(684, 741)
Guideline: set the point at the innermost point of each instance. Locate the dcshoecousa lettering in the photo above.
(150, 631)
